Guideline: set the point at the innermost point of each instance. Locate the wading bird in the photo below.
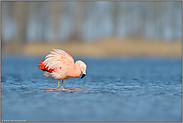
(60, 65)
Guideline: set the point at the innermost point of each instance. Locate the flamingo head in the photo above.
(82, 67)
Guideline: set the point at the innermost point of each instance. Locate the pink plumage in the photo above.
(60, 65)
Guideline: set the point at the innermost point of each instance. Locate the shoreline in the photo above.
(101, 48)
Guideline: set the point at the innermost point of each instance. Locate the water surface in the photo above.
(114, 89)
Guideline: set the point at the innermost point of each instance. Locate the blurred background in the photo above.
(132, 51)
(100, 28)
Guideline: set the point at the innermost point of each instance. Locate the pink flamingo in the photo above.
(60, 65)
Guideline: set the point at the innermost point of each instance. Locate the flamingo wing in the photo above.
(58, 59)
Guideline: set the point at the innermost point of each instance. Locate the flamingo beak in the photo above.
(83, 76)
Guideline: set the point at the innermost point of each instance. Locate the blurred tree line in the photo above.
(83, 21)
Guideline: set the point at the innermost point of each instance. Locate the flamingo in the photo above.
(60, 65)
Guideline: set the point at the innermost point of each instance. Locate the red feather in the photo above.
(41, 66)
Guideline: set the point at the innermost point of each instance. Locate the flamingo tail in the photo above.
(41, 66)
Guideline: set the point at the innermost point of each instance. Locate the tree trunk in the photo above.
(55, 19)
(76, 30)
(115, 13)
(21, 18)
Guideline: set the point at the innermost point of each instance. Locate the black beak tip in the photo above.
(83, 76)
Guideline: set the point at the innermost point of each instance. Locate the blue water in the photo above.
(114, 89)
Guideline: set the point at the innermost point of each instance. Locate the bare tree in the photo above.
(55, 10)
(21, 18)
(76, 31)
(115, 16)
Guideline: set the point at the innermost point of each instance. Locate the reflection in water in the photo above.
(62, 88)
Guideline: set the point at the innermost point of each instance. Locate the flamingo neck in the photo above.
(74, 71)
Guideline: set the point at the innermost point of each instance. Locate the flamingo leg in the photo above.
(62, 83)
(58, 83)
